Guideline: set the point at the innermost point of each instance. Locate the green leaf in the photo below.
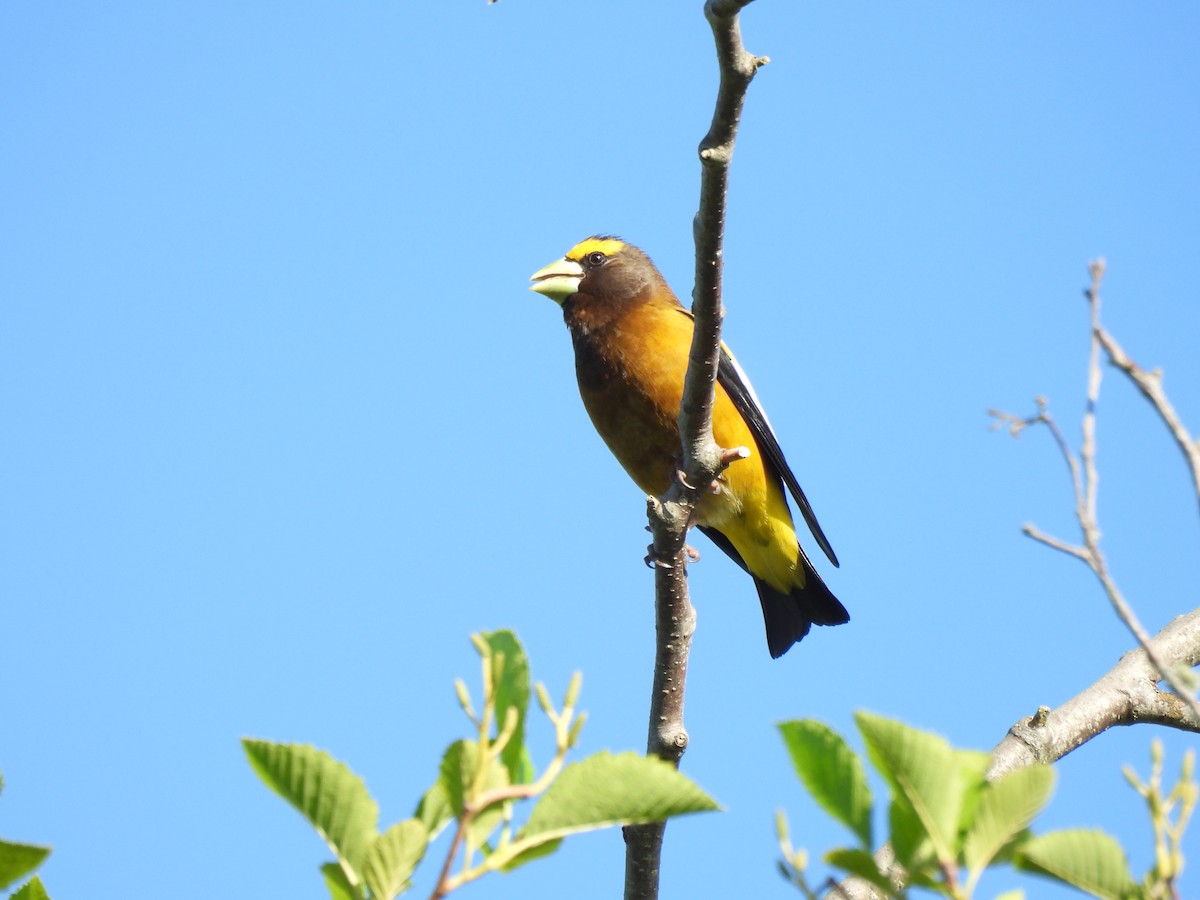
(910, 839)
(392, 858)
(621, 789)
(18, 860)
(457, 775)
(860, 863)
(601, 791)
(1005, 808)
(1018, 894)
(536, 851)
(1090, 860)
(31, 890)
(512, 692)
(434, 809)
(460, 763)
(973, 766)
(333, 799)
(832, 772)
(928, 782)
(338, 885)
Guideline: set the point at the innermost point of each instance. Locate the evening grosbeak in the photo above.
(632, 338)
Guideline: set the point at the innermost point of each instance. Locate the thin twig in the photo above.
(1091, 530)
(1086, 485)
(1150, 385)
(1056, 544)
(1087, 449)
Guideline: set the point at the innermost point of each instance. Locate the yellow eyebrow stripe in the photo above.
(607, 246)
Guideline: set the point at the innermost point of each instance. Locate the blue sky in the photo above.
(284, 425)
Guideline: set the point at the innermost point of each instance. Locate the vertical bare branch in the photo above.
(703, 460)
(1088, 449)
(737, 68)
(1086, 491)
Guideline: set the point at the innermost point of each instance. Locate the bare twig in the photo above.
(1086, 485)
(1129, 693)
(1054, 543)
(703, 460)
(1150, 384)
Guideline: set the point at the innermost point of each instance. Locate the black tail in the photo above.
(788, 617)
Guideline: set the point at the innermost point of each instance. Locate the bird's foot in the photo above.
(682, 478)
(728, 456)
(655, 561)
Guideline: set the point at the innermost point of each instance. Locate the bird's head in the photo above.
(601, 266)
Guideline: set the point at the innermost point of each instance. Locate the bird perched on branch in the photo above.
(632, 339)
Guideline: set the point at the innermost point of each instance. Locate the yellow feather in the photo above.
(607, 246)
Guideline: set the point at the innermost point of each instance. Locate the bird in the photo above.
(631, 337)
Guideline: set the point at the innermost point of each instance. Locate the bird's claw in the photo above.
(654, 561)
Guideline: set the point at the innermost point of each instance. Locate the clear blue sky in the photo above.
(283, 424)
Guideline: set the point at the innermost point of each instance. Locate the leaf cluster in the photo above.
(947, 823)
(481, 783)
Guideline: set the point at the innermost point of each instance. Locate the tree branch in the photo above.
(670, 516)
(1126, 695)
(1129, 693)
(1086, 487)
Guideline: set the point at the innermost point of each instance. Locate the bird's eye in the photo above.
(596, 258)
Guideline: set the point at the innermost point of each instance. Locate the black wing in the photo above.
(737, 386)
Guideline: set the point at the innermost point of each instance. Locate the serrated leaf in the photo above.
(512, 692)
(923, 770)
(18, 860)
(601, 791)
(1005, 809)
(393, 857)
(31, 890)
(832, 772)
(1090, 860)
(338, 885)
(859, 863)
(333, 799)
